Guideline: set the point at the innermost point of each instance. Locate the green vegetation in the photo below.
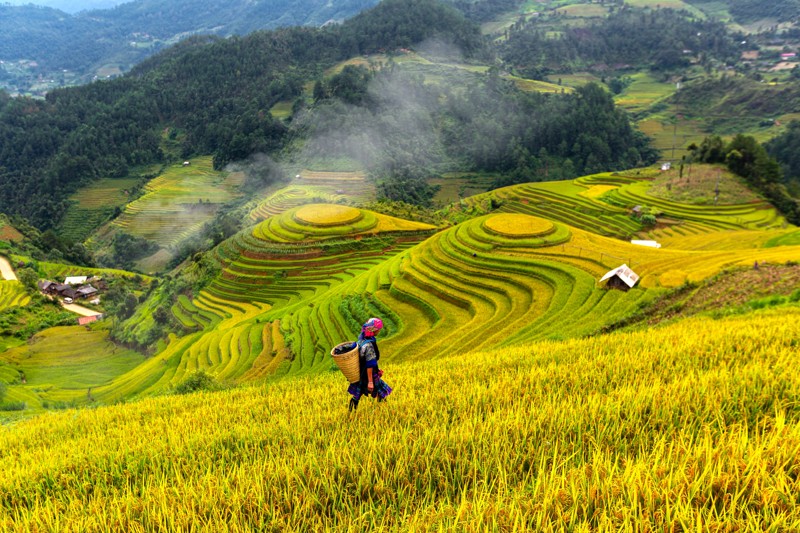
(96, 204)
(653, 39)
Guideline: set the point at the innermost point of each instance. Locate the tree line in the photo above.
(659, 39)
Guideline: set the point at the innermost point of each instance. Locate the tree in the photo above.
(29, 278)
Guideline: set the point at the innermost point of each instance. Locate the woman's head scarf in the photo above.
(371, 327)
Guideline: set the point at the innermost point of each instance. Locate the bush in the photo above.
(198, 381)
(13, 406)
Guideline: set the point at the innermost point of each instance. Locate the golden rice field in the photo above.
(12, 294)
(690, 427)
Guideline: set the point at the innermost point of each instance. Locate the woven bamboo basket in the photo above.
(347, 362)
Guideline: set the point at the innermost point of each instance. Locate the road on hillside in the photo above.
(6, 270)
(83, 311)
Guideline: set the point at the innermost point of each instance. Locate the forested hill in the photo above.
(134, 30)
(748, 11)
(107, 41)
(217, 91)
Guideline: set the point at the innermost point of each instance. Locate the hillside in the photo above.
(98, 43)
(695, 425)
(522, 264)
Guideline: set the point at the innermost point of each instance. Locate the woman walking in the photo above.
(370, 383)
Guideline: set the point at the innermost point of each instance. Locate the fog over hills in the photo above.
(70, 6)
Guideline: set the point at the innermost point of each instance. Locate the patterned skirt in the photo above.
(380, 390)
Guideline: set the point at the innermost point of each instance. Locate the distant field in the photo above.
(669, 134)
(177, 203)
(573, 80)
(93, 205)
(698, 185)
(583, 10)
(282, 110)
(643, 92)
(667, 4)
(538, 86)
(9, 233)
(456, 186)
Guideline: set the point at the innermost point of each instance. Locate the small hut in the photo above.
(622, 278)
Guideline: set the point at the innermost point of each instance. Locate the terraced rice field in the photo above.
(177, 203)
(316, 187)
(300, 282)
(459, 290)
(12, 294)
(643, 92)
(66, 364)
(527, 272)
(93, 205)
(306, 250)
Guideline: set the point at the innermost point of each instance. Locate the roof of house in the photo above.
(86, 289)
(86, 319)
(45, 284)
(651, 244)
(75, 280)
(624, 272)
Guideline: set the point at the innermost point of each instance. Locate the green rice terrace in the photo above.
(174, 206)
(525, 264)
(313, 187)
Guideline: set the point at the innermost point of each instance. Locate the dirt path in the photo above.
(6, 270)
(83, 311)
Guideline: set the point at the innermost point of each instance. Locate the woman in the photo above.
(371, 383)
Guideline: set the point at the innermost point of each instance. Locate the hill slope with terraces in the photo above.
(524, 265)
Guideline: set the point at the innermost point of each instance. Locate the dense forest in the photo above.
(784, 149)
(754, 10)
(403, 130)
(660, 39)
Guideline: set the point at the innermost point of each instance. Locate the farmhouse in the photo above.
(86, 291)
(621, 277)
(46, 286)
(69, 290)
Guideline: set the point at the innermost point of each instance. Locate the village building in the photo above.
(83, 320)
(86, 291)
(622, 278)
(47, 286)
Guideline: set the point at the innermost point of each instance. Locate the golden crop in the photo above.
(694, 426)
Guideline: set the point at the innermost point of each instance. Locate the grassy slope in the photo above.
(692, 426)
